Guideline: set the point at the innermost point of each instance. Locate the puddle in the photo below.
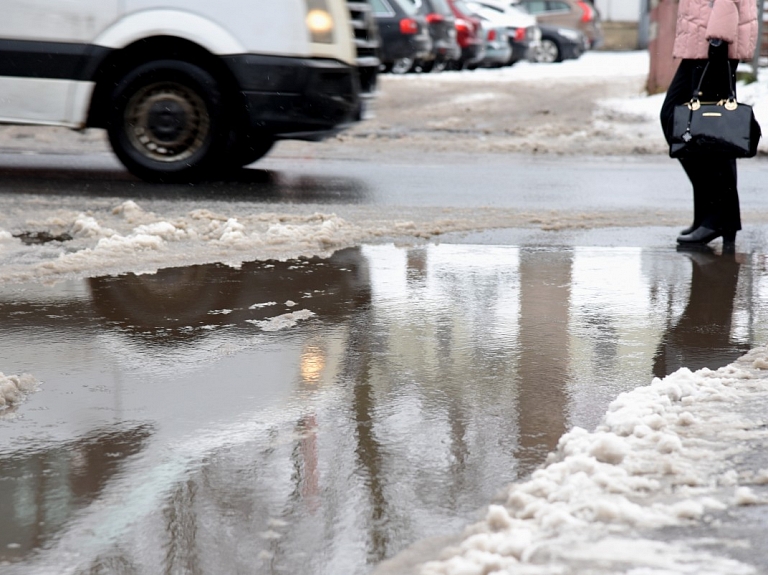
(176, 431)
(35, 238)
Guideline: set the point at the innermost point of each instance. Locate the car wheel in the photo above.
(402, 65)
(436, 65)
(440, 66)
(168, 121)
(548, 52)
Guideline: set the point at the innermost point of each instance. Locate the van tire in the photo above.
(167, 122)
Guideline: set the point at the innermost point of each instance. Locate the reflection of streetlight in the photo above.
(312, 364)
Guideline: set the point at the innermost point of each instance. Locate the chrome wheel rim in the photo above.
(548, 52)
(402, 65)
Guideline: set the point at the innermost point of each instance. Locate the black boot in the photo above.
(703, 235)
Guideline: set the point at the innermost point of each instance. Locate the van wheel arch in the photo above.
(121, 62)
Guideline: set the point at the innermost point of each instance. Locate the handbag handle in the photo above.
(731, 85)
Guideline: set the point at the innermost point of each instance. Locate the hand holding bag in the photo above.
(726, 128)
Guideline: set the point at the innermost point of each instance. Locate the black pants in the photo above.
(715, 196)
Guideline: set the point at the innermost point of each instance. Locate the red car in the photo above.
(469, 35)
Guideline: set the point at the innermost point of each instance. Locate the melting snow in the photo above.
(662, 457)
(15, 388)
(282, 321)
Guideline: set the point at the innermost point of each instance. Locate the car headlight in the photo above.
(319, 21)
(573, 35)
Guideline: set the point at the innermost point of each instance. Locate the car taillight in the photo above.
(519, 34)
(491, 35)
(586, 11)
(462, 25)
(435, 18)
(409, 26)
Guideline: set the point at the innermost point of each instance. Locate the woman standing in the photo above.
(718, 32)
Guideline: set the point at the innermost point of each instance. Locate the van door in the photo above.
(43, 46)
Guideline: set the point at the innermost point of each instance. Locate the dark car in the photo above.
(469, 34)
(442, 29)
(558, 44)
(403, 33)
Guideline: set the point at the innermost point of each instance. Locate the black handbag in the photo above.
(726, 128)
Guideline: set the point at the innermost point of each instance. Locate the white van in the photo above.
(187, 87)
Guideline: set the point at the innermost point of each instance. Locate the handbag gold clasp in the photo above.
(694, 104)
(731, 104)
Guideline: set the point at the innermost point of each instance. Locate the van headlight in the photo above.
(319, 22)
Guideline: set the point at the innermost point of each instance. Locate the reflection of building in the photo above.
(42, 489)
(177, 302)
(544, 368)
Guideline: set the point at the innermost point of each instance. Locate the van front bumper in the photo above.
(297, 98)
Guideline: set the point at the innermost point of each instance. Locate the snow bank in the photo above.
(590, 66)
(130, 240)
(15, 388)
(662, 457)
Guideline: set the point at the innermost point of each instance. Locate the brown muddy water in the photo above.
(200, 421)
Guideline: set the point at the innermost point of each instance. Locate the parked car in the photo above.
(442, 29)
(522, 29)
(403, 33)
(469, 34)
(575, 14)
(558, 44)
(498, 50)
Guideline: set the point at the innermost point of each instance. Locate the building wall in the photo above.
(619, 10)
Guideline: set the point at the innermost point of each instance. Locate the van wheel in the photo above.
(167, 122)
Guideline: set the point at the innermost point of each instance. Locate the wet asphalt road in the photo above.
(446, 180)
(174, 433)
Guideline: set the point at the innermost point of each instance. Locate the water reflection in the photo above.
(185, 303)
(544, 363)
(702, 336)
(431, 377)
(42, 489)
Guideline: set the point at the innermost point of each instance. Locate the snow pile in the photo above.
(661, 458)
(130, 239)
(15, 388)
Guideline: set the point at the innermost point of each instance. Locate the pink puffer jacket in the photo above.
(734, 21)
